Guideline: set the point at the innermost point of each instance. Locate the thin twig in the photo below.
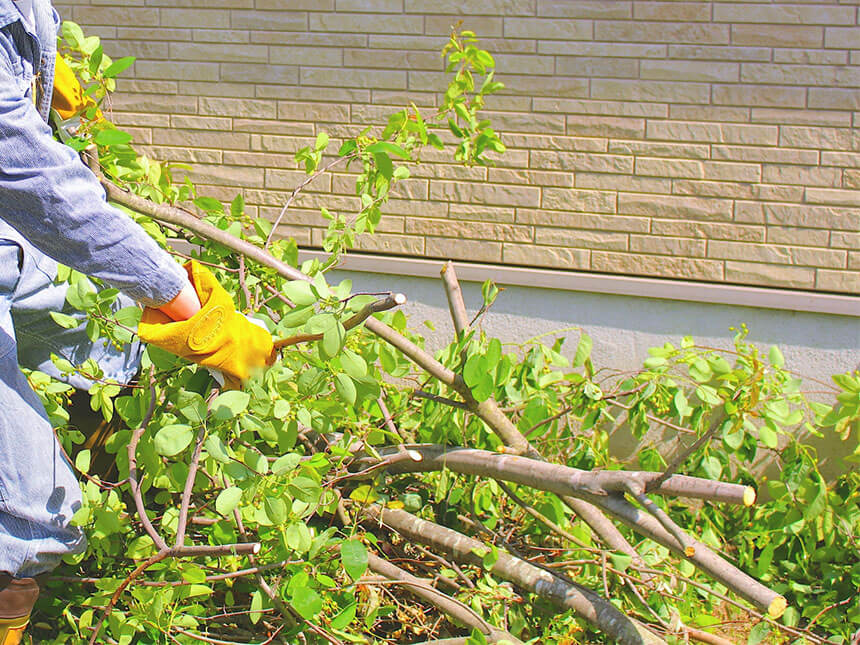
(391, 301)
(133, 481)
(298, 189)
(216, 641)
(143, 566)
(242, 281)
(422, 394)
(543, 519)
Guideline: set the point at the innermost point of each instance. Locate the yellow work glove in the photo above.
(217, 336)
(68, 98)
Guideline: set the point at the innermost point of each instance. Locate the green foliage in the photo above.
(258, 462)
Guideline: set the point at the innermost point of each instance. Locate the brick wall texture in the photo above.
(715, 141)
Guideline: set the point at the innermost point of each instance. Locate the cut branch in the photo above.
(703, 557)
(603, 489)
(584, 602)
(558, 479)
(455, 298)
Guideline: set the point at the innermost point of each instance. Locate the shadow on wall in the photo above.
(624, 327)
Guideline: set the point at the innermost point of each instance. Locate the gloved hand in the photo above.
(217, 336)
(68, 98)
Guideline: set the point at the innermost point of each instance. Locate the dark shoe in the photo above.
(17, 597)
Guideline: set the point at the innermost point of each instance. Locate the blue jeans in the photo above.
(39, 491)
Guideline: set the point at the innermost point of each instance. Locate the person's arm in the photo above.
(183, 306)
(53, 200)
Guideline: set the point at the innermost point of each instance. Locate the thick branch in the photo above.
(558, 479)
(705, 559)
(455, 298)
(585, 603)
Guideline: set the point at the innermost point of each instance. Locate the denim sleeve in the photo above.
(53, 200)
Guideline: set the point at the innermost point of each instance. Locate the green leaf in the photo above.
(620, 561)
(332, 340)
(73, 34)
(305, 489)
(490, 558)
(227, 500)
(700, 371)
(286, 463)
(775, 356)
(96, 60)
(476, 638)
(276, 509)
(344, 617)
(412, 502)
(307, 602)
(734, 439)
(321, 142)
(217, 449)
(297, 317)
(209, 204)
(256, 606)
(111, 137)
(768, 436)
(583, 350)
(345, 388)
(712, 467)
(764, 560)
(364, 494)
(493, 354)
(118, 66)
(298, 537)
(299, 292)
(65, 321)
(228, 405)
(654, 361)
(82, 461)
(353, 364)
(758, 633)
(191, 406)
(172, 439)
(383, 164)
(385, 146)
(353, 555)
(474, 370)
(237, 206)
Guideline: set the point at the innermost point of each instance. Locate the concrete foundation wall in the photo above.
(816, 345)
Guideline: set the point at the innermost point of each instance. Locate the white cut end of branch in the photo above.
(777, 607)
(749, 496)
(399, 299)
(414, 455)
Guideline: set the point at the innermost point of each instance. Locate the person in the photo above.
(53, 209)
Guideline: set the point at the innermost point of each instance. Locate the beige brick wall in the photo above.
(715, 141)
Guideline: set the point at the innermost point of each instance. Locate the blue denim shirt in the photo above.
(47, 193)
